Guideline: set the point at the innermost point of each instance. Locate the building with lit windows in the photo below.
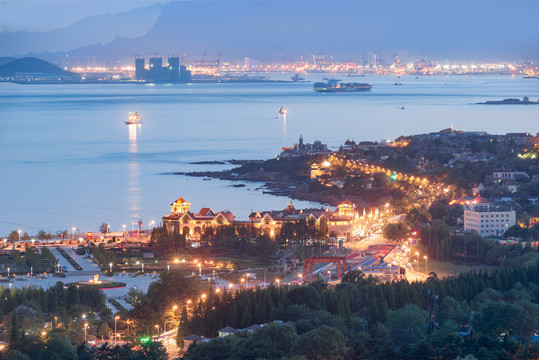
(488, 220)
(193, 224)
(347, 220)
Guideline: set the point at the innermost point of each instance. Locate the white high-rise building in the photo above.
(487, 220)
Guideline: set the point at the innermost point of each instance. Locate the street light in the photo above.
(204, 297)
(329, 273)
(300, 278)
(426, 264)
(33, 242)
(230, 286)
(200, 270)
(115, 332)
(110, 267)
(278, 282)
(173, 308)
(8, 269)
(73, 233)
(85, 327)
(56, 321)
(157, 327)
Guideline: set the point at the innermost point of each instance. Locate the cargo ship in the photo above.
(336, 86)
(134, 118)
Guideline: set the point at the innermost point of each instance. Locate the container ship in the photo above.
(337, 86)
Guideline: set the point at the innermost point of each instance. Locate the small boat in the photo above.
(398, 84)
(134, 118)
(282, 111)
(296, 78)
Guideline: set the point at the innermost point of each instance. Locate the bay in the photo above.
(68, 160)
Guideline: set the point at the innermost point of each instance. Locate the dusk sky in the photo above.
(36, 15)
(440, 29)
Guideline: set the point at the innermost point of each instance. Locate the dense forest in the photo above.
(496, 314)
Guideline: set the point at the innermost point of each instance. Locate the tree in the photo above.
(152, 350)
(42, 235)
(14, 335)
(103, 329)
(407, 325)
(273, 341)
(324, 343)
(104, 228)
(394, 232)
(183, 328)
(354, 276)
(16, 355)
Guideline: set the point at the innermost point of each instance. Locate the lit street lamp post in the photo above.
(110, 267)
(8, 269)
(115, 331)
(157, 327)
(300, 278)
(278, 282)
(85, 327)
(426, 264)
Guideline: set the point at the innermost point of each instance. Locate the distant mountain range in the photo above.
(99, 29)
(280, 30)
(31, 65)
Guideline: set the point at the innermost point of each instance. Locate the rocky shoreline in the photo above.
(274, 183)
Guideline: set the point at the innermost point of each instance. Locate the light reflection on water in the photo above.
(133, 179)
(66, 158)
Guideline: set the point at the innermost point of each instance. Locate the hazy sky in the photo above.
(441, 29)
(44, 15)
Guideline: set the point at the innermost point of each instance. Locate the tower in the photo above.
(174, 68)
(156, 68)
(139, 69)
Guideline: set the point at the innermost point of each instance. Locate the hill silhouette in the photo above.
(33, 65)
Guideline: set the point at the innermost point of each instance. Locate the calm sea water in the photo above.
(68, 160)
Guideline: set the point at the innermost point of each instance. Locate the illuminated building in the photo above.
(347, 220)
(481, 216)
(189, 223)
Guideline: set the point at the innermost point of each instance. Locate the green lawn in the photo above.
(445, 269)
